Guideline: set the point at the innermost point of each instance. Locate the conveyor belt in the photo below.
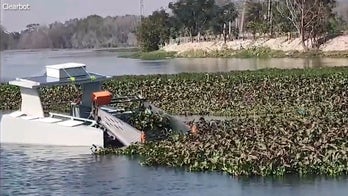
(125, 133)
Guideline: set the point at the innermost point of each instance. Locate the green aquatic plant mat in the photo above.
(275, 145)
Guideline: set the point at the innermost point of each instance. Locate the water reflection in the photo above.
(296, 185)
(45, 170)
(28, 63)
(225, 64)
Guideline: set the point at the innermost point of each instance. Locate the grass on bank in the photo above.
(154, 55)
(121, 49)
(228, 53)
(260, 53)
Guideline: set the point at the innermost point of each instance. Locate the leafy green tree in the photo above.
(91, 32)
(223, 15)
(256, 21)
(35, 36)
(4, 39)
(193, 16)
(174, 27)
(154, 31)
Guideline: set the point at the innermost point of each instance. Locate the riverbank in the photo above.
(120, 49)
(259, 53)
(227, 53)
(261, 48)
(339, 43)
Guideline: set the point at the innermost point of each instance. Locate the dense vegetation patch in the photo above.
(228, 94)
(9, 97)
(301, 144)
(282, 121)
(155, 126)
(242, 93)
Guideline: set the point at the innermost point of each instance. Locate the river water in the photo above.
(30, 63)
(44, 170)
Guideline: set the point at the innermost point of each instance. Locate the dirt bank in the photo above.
(282, 43)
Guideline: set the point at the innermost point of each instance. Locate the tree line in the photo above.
(91, 32)
(314, 21)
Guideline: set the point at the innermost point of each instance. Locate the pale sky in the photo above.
(48, 11)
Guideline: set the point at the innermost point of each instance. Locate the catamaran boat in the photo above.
(95, 121)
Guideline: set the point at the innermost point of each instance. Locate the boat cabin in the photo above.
(60, 74)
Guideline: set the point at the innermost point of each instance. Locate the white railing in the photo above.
(93, 122)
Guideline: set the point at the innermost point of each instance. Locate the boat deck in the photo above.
(59, 119)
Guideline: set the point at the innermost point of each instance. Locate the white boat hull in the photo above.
(22, 131)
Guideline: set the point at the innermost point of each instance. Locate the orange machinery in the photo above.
(101, 98)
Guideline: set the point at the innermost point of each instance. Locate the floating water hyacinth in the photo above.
(155, 126)
(276, 145)
(282, 121)
(225, 94)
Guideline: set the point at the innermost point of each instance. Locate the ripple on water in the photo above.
(42, 170)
